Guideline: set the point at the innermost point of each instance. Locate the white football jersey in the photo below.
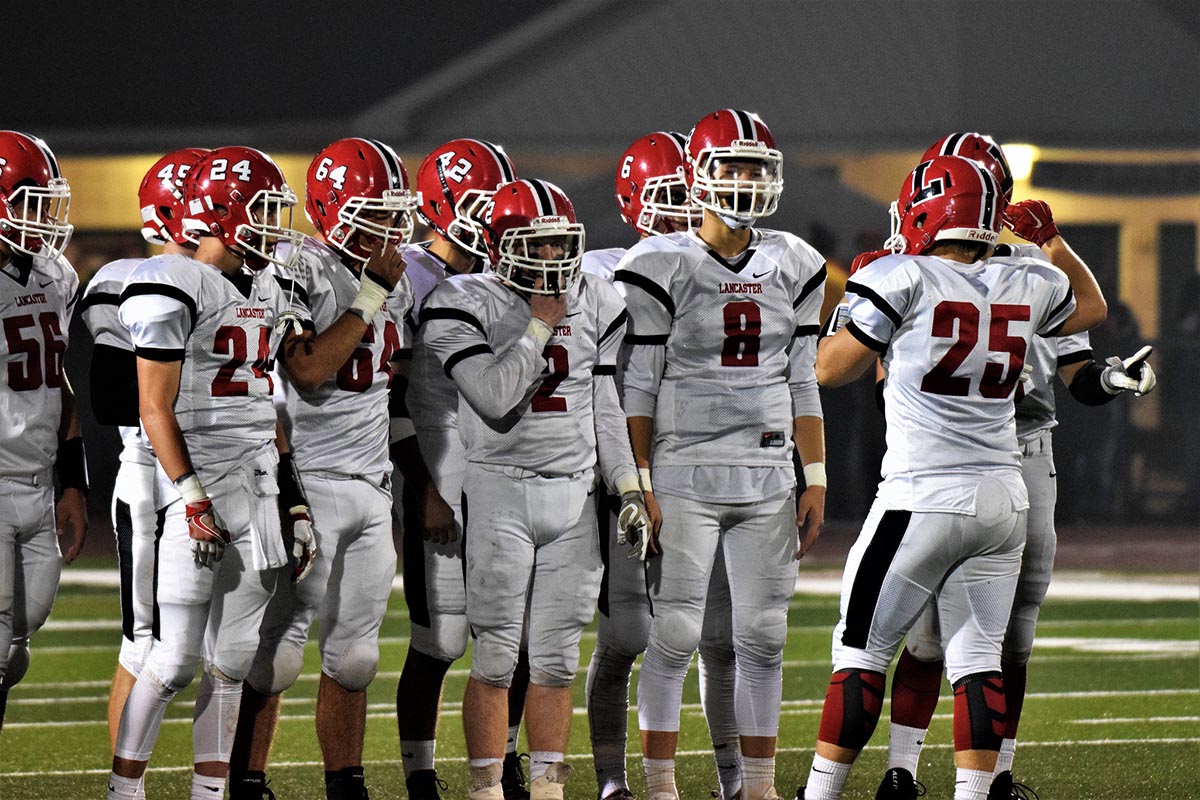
(603, 264)
(552, 427)
(432, 397)
(729, 330)
(98, 308)
(1035, 396)
(342, 426)
(954, 338)
(35, 310)
(223, 330)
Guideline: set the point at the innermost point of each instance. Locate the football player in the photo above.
(532, 349)
(349, 279)
(719, 389)
(204, 330)
(115, 402)
(652, 197)
(455, 181)
(918, 675)
(949, 518)
(40, 431)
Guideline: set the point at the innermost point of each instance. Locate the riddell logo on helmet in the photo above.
(550, 222)
(747, 144)
(983, 236)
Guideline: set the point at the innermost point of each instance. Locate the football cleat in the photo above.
(800, 793)
(1003, 788)
(252, 787)
(618, 794)
(424, 784)
(513, 777)
(899, 784)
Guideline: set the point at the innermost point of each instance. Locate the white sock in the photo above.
(758, 776)
(826, 779)
(206, 788)
(484, 772)
(904, 747)
(971, 784)
(540, 761)
(417, 755)
(120, 788)
(660, 774)
(214, 721)
(1008, 749)
(513, 732)
(141, 788)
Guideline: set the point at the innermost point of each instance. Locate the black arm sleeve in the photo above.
(1085, 386)
(114, 386)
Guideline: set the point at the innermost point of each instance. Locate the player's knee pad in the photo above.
(852, 706)
(493, 663)
(173, 675)
(18, 663)
(445, 639)
(676, 635)
(979, 711)
(354, 668)
(924, 638)
(553, 671)
(762, 640)
(275, 668)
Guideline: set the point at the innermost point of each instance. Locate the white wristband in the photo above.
(626, 483)
(814, 474)
(190, 488)
(370, 298)
(539, 331)
(644, 477)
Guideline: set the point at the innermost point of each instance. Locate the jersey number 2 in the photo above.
(996, 381)
(558, 367)
(231, 341)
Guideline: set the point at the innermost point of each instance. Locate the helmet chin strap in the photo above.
(734, 222)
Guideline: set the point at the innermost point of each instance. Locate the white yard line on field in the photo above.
(587, 757)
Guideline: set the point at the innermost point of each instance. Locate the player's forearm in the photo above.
(612, 436)
(641, 440)
(1090, 306)
(406, 455)
(166, 437)
(68, 423)
(809, 434)
(310, 360)
(494, 385)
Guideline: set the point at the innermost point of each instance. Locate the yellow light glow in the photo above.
(1020, 160)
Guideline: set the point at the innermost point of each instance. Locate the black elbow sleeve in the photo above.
(114, 386)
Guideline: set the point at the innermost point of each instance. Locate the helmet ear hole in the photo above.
(919, 222)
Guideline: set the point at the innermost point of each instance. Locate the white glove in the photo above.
(304, 541)
(633, 524)
(1130, 375)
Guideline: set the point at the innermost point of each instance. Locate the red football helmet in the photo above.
(525, 216)
(651, 191)
(980, 148)
(239, 195)
(161, 197)
(733, 168)
(455, 182)
(947, 197)
(357, 189)
(35, 199)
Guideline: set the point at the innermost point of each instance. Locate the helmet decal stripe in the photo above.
(745, 125)
(950, 146)
(680, 142)
(545, 201)
(502, 160)
(987, 209)
(391, 161)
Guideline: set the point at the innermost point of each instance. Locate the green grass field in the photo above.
(1114, 711)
